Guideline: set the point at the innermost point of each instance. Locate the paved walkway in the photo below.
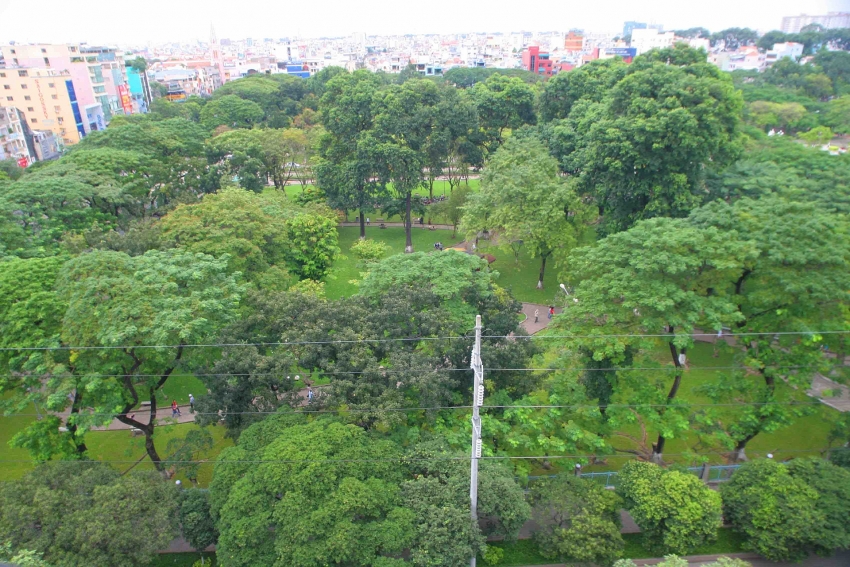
(542, 321)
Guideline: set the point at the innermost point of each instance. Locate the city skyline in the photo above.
(161, 22)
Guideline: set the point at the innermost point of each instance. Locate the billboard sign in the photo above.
(126, 101)
(624, 52)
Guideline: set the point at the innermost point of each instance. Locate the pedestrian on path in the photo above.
(191, 403)
(309, 394)
(367, 220)
(536, 315)
(175, 409)
(551, 311)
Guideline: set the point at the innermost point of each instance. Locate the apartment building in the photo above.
(97, 72)
(832, 20)
(20, 143)
(48, 99)
(645, 39)
(536, 62)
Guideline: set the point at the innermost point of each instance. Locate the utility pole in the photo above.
(477, 401)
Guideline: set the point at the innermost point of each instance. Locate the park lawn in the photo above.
(14, 463)
(178, 387)
(345, 269)
(526, 552)
(441, 187)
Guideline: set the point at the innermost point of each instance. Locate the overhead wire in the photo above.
(622, 454)
(410, 339)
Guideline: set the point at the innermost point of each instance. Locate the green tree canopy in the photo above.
(779, 514)
(579, 520)
(522, 197)
(589, 82)
(231, 111)
(85, 513)
(329, 495)
(675, 510)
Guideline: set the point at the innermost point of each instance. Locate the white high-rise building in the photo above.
(832, 20)
(646, 39)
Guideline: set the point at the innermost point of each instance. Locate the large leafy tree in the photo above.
(778, 512)
(231, 111)
(122, 309)
(438, 494)
(410, 134)
(794, 278)
(588, 82)
(522, 197)
(346, 171)
(504, 103)
(327, 494)
(661, 277)
(86, 513)
(260, 154)
(644, 150)
(265, 236)
(578, 520)
(675, 510)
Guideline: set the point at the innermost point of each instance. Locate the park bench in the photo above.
(145, 404)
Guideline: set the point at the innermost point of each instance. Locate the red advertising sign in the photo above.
(23, 162)
(126, 102)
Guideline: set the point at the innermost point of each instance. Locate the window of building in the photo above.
(15, 61)
(27, 97)
(73, 49)
(60, 120)
(57, 109)
(47, 61)
(23, 86)
(30, 109)
(22, 73)
(34, 120)
(54, 97)
(9, 98)
(43, 50)
(12, 51)
(76, 59)
(7, 87)
(51, 85)
(100, 89)
(2, 74)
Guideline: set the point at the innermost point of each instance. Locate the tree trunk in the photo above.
(658, 446)
(430, 187)
(362, 225)
(408, 242)
(72, 426)
(542, 272)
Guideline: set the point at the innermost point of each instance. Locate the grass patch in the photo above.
(727, 541)
(525, 551)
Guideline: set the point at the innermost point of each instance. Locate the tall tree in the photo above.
(664, 278)
(645, 150)
(231, 111)
(794, 278)
(138, 313)
(522, 197)
(504, 103)
(590, 82)
(345, 170)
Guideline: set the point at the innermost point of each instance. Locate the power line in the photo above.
(666, 335)
(412, 459)
(392, 371)
(440, 408)
(409, 339)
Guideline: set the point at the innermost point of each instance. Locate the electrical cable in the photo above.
(408, 339)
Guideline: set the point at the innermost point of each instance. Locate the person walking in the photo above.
(367, 220)
(191, 403)
(175, 409)
(551, 311)
(309, 394)
(536, 315)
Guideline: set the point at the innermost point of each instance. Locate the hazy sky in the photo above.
(140, 21)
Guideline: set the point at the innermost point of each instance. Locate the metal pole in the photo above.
(477, 401)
